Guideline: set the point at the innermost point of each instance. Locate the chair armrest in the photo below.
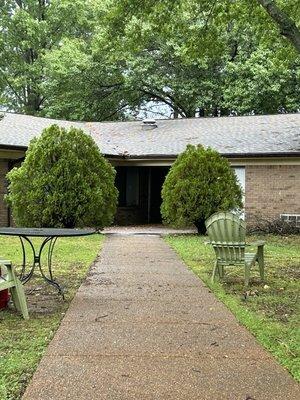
(259, 243)
(5, 262)
(5, 265)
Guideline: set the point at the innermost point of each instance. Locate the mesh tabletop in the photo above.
(46, 232)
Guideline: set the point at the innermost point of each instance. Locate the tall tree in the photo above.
(205, 58)
(81, 84)
(110, 59)
(28, 30)
(285, 23)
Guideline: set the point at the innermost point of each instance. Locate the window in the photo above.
(127, 182)
(240, 174)
(293, 219)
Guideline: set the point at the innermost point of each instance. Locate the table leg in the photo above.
(37, 262)
(50, 280)
(50, 252)
(25, 277)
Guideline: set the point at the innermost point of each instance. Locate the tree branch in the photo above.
(210, 13)
(11, 87)
(116, 111)
(164, 100)
(287, 26)
(19, 3)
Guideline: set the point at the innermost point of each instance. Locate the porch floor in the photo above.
(148, 229)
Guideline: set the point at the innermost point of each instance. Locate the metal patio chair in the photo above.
(9, 280)
(227, 233)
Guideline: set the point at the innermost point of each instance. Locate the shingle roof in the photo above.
(235, 136)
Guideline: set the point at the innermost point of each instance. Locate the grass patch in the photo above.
(22, 343)
(270, 312)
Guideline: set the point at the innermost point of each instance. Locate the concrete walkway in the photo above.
(144, 327)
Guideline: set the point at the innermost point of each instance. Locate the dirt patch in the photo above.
(43, 299)
(290, 271)
(281, 312)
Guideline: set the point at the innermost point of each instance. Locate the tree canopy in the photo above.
(110, 59)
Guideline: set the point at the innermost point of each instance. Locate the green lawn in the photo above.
(271, 311)
(22, 343)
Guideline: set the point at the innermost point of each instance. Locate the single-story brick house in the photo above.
(263, 150)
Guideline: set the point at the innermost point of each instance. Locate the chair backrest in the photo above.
(227, 234)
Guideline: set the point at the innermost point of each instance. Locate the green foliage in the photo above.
(81, 84)
(63, 182)
(46, 61)
(29, 30)
(112, 59)
(203, 58)
(199, 183)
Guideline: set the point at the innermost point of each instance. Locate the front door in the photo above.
(157, 178)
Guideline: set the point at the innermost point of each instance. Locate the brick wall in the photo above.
(3, 208)
(272, 190)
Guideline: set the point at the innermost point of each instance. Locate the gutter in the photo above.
(13, 147)
(174, 156)
(227, 155)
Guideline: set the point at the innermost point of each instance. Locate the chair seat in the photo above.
(249, 259)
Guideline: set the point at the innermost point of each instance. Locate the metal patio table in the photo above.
(50, 236)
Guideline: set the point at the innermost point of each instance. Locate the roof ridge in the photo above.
(158, 119)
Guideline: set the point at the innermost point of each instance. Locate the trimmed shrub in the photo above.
(64, 181)
(277, 226)
(199, 183)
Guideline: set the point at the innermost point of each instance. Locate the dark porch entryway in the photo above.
(139, 194)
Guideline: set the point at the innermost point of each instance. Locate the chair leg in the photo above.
(221, 271)
(19, 299)
(17, 291)
(261, 266)
(215, 270)
(247, 274)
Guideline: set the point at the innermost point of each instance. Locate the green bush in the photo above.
(199, 183)
(64, 181)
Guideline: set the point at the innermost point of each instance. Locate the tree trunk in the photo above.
(215, 111)
(200, 225)
(287, 26)
(32, 105)
(201, 112)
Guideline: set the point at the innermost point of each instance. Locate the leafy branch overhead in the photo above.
(286, 25)
(111, 59)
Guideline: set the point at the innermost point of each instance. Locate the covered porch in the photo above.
(139, 194)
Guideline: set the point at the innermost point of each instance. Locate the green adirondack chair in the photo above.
(227, 233)
(9, 280)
